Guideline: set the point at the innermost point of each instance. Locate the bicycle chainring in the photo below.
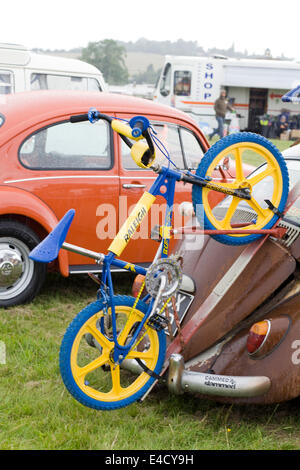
(170, 267)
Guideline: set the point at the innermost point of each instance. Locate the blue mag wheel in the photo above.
(90, 374)
(234, 156)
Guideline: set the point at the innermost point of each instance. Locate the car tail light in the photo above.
(137, 284)
(257, 336)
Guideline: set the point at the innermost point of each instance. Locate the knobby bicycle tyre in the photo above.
(115, 395)
(273, 166)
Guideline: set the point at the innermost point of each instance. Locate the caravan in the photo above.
(22, 70)
(254, 87)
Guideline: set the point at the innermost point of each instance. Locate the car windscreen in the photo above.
(263, 187)
(181, 143)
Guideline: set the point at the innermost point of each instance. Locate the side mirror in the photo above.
(165, 91)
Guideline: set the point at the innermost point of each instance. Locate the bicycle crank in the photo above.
(170, 269)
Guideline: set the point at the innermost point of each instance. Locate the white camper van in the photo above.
(255, 87)
(21, 70)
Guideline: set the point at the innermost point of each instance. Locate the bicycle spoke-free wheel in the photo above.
(233, 155)
(90, 374)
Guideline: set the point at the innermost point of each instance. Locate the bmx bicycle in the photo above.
(114, 350)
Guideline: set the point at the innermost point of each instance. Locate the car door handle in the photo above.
(133, 185)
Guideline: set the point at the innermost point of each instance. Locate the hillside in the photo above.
(144, 53)
(138, 61)
(135, 61)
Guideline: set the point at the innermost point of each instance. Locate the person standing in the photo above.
(221, 106)
(283, 125)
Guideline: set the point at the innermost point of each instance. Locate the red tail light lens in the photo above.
(257, 336)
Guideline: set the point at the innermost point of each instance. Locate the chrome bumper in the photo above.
(181, 380)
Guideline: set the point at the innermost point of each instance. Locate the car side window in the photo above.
(168, 134)
(6, 82)
(65, 146)
(182, 83)
(43, 81)
(191, 147)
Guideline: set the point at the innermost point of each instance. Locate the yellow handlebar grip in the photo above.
(138, 151)
(123, 129)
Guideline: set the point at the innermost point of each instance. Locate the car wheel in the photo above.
(20, 277)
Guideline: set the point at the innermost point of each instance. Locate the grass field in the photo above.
(36, 411)
(280, 144)
(252, 157)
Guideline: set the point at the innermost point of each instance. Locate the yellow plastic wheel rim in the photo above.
(149, 357)
(264, 215)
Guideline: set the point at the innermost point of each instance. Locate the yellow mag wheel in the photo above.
(86, 356)
(243, 160)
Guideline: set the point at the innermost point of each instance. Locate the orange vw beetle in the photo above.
(49, 165)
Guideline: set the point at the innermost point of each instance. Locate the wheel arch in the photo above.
(25, 207)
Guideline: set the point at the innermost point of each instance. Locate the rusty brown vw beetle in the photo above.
(239, 340)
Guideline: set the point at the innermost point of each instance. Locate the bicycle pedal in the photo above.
(158, 322)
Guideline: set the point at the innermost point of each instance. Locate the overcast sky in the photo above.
(65, 24)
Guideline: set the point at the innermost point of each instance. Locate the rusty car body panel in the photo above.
(236, 287)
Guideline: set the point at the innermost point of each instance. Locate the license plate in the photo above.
(183, 303)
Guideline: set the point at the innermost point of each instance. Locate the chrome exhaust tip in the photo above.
(131, 366)
(181, 380)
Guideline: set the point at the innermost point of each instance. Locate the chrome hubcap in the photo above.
(10, 267)
(16, 269)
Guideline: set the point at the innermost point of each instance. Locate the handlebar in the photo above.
(125, 130)
(137, 125)
(79, 118)
(142, 153)
(93, 115)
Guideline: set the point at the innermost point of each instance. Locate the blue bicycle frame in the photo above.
(167, 180)
(48, 250)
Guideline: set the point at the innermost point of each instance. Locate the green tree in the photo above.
(109, 57)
